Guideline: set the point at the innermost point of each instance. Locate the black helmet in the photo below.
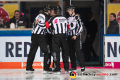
(70, 7)
(52, 7)
(47, 7)
(57, 10)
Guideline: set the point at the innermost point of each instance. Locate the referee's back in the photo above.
(59, 30)
(58, 24)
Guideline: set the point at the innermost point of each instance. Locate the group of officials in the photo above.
(49, 32)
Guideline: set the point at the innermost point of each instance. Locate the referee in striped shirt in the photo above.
(74, 30)
(49, 36)
(38, 38)
(58, 25)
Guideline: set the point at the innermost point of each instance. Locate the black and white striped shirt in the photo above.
(40, 27)
(48, 30)
(75, 26)
(58, 24)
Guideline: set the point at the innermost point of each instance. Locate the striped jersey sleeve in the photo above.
(80, 25)
(40, 27)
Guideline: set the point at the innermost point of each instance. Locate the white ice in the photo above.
(20, 74)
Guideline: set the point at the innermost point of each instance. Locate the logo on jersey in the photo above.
(55, 21)
(62, 20)
(72, 74)
(118, 17)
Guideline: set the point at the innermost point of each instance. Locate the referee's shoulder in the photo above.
(68, 18)
(63, 17)
(41, 14)
(77, 17)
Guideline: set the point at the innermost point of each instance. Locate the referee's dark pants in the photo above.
(57, 42)
(74, 46)
(37, 40)
(49, 46)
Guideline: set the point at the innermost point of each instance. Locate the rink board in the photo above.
(15, 49)
(14, 52)
(112, 51)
